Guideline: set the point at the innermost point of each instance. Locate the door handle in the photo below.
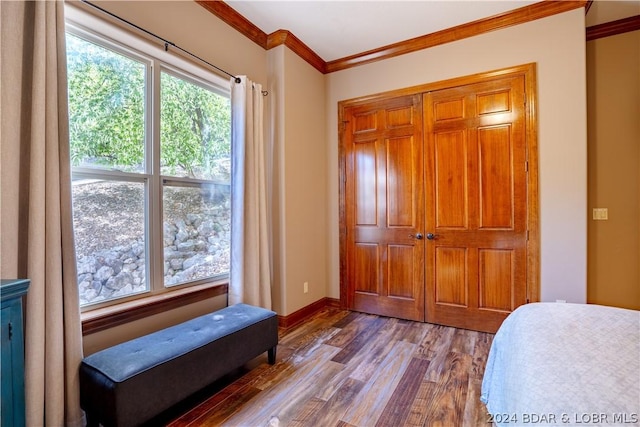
(431, 236)
(417, 236)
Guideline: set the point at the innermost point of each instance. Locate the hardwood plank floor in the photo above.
(343, 368)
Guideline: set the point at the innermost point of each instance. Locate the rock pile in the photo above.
(196, 236)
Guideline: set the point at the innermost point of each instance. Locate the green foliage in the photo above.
(107, 119)
(106, 106)
(195, 127)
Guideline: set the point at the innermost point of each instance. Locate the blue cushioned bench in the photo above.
(130, 383)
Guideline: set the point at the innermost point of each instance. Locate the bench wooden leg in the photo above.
(271, 355)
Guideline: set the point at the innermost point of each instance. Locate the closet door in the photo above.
(476, 203)
(384, 207)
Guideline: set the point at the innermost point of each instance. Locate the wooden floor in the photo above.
(351, 369)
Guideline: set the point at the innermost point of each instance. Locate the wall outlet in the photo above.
(306, 287)
(561, 300)
(600, 214)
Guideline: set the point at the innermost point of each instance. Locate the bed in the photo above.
(564, 364)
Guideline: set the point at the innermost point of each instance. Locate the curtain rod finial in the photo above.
(238, 80)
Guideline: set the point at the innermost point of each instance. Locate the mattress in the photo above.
(565, 364)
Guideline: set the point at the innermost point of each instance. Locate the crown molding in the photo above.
(241, 24)
(522, 15)
(287, 38)
(518, 16)
(612, 28)
(588, 6)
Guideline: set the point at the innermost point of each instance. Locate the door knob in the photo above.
(417, 236)
(432, 236)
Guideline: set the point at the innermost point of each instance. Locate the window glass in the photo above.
(194, 146)
(196, 232)
(106, 107)
(109, 225)
(195, 130)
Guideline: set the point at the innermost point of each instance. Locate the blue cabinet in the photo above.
(12, 352)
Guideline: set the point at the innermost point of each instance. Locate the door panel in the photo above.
(496, 279)
(365, 122)
(400, 185)
(399, 117)
(496, 177)
(475, 151)
(401, 268)
(451, 280)
(384, 199)
(364, 154)
(451, 179)
(448, 109)
(494, 102)
(365, 268)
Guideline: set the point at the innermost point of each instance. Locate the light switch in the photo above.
(600, 214)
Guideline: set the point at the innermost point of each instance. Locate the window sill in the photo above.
(119, 314)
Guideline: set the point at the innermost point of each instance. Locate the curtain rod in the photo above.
(167, 43)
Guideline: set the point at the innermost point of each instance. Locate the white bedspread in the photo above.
(565, 364)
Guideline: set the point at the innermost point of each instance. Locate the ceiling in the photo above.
(336, 29)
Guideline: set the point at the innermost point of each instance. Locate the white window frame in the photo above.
(157, 60)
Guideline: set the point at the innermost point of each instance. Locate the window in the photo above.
(150, 152)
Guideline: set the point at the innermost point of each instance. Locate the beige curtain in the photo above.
(250, 276)
(36, 228)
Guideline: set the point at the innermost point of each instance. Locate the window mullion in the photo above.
(155, 249)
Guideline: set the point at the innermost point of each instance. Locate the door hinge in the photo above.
(526, 166)
(527, 235)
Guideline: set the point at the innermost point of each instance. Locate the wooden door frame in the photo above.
(528, 71)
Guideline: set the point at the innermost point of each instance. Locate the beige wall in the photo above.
(193, 28)
(557, 45)
(300, 167)
(277, 139)
(305, 183)
(613, 77)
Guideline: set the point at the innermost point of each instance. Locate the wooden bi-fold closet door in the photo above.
(384, 207)
(434, 204)
(476, 211)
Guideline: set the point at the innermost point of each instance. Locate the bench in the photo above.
(130, 383)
